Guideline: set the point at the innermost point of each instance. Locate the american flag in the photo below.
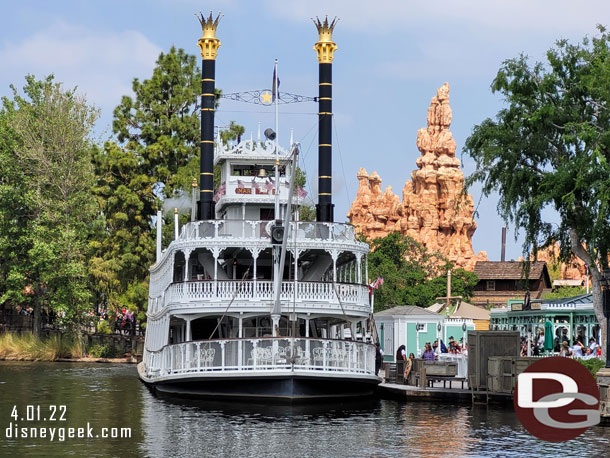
(377, 283)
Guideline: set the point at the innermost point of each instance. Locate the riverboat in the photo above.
(247, 301)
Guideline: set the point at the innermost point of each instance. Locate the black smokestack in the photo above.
(503, 252)
(325, 48)
(209, 48)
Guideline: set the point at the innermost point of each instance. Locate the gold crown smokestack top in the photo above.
(209, 45)
(325, 48)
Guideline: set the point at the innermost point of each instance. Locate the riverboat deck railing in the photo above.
(262, 290)
(262, 354)
(246, 229)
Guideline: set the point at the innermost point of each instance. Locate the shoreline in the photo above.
(86, 359)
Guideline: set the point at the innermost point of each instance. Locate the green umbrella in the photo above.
(548, 336)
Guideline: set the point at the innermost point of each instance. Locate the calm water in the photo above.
(110, 396)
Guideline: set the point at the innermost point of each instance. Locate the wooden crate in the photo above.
(485, 344)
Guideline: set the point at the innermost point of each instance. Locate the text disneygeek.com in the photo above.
(20, 429)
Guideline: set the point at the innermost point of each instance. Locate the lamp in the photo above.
(270, 134)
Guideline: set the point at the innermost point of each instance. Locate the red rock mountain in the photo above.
(433, 210)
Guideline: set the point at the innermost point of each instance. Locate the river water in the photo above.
(111, 396)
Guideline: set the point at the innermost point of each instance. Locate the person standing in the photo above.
(378, 358)
(401, 353)
(428, 354)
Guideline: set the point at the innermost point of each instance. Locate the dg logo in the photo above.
(556, 399)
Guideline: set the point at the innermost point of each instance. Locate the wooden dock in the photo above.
(438, 393)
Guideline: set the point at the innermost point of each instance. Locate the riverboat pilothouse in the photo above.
(247, 301)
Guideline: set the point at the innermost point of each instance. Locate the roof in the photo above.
(567, 283)
(407, 310)
(464, 310)
(509, 270)
(582, 299)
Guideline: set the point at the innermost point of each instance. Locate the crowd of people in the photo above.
(431, 351)
(562, 345)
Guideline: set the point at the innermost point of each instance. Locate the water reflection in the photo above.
(108, 395)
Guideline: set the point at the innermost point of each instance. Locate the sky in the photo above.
(391, 58)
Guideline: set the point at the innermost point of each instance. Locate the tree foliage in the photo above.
(549, 148)
(47, 214)
(412, 275)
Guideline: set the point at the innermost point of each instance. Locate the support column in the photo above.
(187, 257)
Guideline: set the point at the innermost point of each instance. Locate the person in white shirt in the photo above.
(577, 349)
(541, 341)
(593, 344)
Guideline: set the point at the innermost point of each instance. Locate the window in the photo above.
(491, 285)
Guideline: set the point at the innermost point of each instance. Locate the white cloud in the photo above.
(102, 63)
(382, 15)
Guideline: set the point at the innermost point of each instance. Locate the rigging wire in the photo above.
(237, 290)
(341, 160)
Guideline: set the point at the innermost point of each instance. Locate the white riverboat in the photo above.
(246, 305)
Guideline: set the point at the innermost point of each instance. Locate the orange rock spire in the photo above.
(433, 210)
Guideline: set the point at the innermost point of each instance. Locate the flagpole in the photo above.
(274, 89)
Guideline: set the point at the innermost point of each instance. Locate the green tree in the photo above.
(161, 124)
(549, 148)
(45, 202)
(565, 291)
(122, 256)
(404, 264)
(462, 284)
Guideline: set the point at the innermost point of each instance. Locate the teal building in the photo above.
(413, 326)
(573, 316)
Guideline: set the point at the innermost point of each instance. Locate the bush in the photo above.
(593, 364)
(103, 327)
(102, 351)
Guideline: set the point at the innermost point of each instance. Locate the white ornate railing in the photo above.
(262, 290)
(242, 355)
(245, 229)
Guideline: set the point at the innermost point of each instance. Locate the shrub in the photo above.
(103, 327)
(593, 364)
(102, 351)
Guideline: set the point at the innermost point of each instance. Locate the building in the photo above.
(574, 315)
(413, 326)
(500, 281)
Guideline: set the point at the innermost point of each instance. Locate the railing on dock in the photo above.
(264, 354)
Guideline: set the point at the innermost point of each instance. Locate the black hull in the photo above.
(278, 388)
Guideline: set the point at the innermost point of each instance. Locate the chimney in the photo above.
(503, 252)
(325, 48)
(209, 45)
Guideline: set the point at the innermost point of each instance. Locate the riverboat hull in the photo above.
(291, 387)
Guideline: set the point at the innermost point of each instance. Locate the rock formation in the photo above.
(433, 210)
(576, 269)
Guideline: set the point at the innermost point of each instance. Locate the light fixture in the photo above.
(270, 134)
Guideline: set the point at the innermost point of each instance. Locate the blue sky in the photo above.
(392, 57)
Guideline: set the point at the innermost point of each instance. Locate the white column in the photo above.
(189, 336)
(159, 233)
(187, 256)
(334, 256)
(254, 258)
(176, 224)
(240, 334)
(366, 269)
